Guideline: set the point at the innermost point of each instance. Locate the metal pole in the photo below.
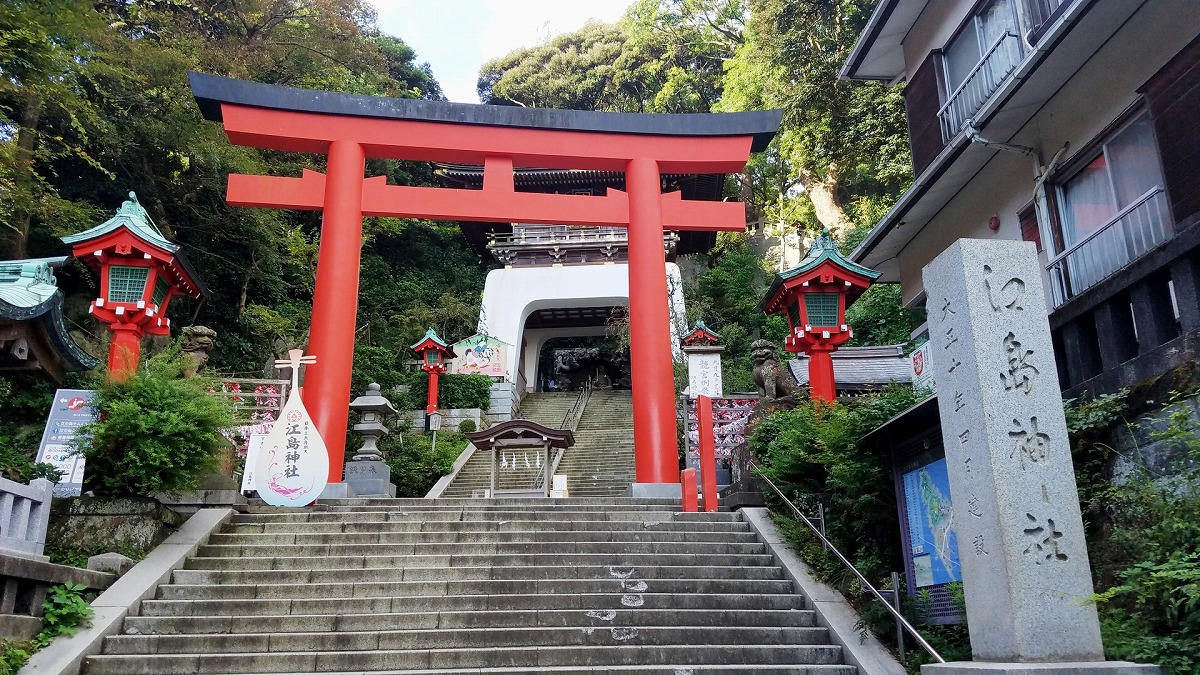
(821, 519)
(854, 570)
(896, 602)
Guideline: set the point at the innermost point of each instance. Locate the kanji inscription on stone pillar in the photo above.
(1024, 558)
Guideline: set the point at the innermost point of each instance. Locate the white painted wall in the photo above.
(1097, 95)
(510, 295)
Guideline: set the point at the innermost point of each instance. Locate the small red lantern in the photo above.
(814, 297)
(434, 353)
(140, 272)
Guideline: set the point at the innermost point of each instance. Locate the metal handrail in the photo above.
(953, 97)
(570, 421)
(861, 579)
(1149, 194)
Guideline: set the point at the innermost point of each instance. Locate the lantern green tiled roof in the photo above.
(432, 335)
(133, 216)
(825, 248)
(29, 293)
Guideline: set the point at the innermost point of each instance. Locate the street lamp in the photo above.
(434, 353)
(814, 297)
(140, 272)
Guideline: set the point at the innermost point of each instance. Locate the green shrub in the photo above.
(156, 432)
(464, 391)
(65, 610)
(14, 655)
(16, 465)
(415, 464)
(466, 426)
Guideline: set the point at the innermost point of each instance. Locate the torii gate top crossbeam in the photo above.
(218, 96)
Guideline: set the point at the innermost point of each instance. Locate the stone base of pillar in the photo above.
(338, 491)
(1066, 668)
(655, 491)
(370, 478)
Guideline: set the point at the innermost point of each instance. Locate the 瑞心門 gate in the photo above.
(349, 128)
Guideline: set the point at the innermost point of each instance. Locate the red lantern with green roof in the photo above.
(435, 355)
(140, 272)
(813, 296)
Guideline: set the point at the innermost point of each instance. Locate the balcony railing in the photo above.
(1039, 13)
(541, 236)
(1139, 227)
(998, 62)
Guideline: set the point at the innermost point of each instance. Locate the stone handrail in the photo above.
(24, 516)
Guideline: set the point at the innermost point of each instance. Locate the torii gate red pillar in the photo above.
(335, 301)
(350, 128)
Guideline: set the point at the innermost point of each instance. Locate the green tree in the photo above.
(842, 148)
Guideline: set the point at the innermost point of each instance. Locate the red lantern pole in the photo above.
(820, 373)
(124, 350)
(431, 402)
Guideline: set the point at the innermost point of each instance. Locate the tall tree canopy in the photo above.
(94, 102)
(841, 157)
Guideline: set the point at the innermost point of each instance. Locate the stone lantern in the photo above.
(814, 296)
(140, 272)
(435, 355)
(366, 473)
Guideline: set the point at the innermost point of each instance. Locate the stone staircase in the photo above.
(475, 476)
(509, 586)
(601, 463)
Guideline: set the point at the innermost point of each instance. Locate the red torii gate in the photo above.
(349, 128)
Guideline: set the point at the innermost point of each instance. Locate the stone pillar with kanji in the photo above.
(1020, 533)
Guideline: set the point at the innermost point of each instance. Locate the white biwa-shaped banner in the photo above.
(292, 467)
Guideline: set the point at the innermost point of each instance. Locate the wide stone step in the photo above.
(756, 669)
(174, 625)
(471, 587)
(471, 603)
(498, 657)
(274, 527)
(532, 560)
(480, 537)
(443, 573)
(469, 548)
(596, 633)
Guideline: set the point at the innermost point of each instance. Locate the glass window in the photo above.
(821, 309)
(126, 284)
(996, 20)
(160, 290)
(1111, 211)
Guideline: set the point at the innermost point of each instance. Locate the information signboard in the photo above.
(71, 411)
(931, 531)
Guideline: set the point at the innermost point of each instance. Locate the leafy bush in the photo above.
(1144, 532)
(156, 432)
(466, 426)
(14, 655)
(465, 391)
(65, 610)
(415, 464)
(16, 465)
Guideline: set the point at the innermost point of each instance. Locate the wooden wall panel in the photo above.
(922, 99)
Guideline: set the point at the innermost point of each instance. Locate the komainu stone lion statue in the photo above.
(774, 380)
(197, 342)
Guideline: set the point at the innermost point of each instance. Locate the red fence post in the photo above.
(687, 479)
(708, 452)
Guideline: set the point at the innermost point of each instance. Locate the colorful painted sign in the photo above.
(922, 372)
(71, 411)
(479, 355)
(292, 467)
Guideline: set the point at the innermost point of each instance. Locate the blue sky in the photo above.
(456, 37)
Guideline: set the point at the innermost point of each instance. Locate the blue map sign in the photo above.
(931, 525)
(72, 410)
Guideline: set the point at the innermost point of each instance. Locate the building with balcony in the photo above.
(560, 285)
(1068, 123)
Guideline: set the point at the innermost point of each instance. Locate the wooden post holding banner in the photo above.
(688, 479)
(708, 452)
